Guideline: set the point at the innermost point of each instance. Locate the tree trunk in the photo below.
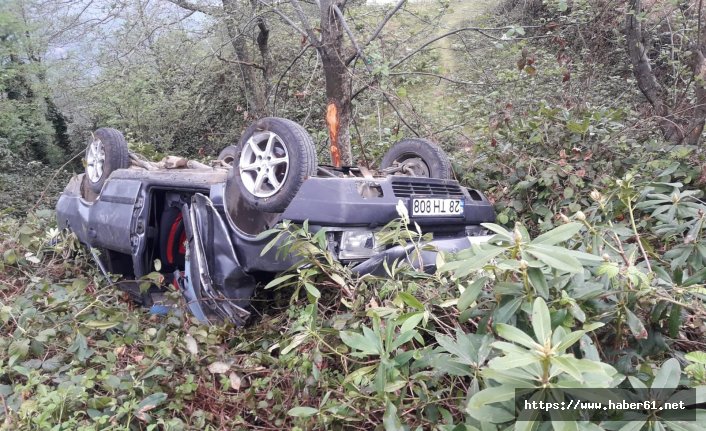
(696, 127)
(644, 75)
(263, 46)
(254, 92)
(338, 83)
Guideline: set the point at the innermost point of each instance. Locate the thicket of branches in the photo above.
(580, 120)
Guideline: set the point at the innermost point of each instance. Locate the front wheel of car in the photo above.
(418, 158)
(275, 156)
(106, 153)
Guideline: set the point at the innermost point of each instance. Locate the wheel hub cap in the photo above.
(414, 167)
(95, 158)
(264, 164)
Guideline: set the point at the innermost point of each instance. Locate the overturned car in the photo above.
(204, 223)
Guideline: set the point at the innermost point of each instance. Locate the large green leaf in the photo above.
(668, 375)
(451, 365)
(149, 403)
(490, 396)
(390, 420)
(635, 324)
(280, 280)
(569, 340)
(463, 267)
(470, 349)
(583, 257)
(367, 344)
(516, 377)
(403, 338)
(302, 411)
(471, 293)
(555, 257)
(559, 234)
(411, 301)
(513, 334)
(498, 230)
(698, 357)
(506, 311)
(565, 364)
(491, 414)
(514, 361)
(508, 348)
(537, 280)
(541, 321)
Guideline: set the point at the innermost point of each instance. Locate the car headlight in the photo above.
(357, 244)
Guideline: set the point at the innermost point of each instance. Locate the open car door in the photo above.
(215, 286)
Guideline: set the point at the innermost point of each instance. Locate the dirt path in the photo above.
(452, 63)
(463, 13)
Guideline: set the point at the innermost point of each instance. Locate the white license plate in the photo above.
(436, 207)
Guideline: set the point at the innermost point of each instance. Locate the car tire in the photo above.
(274, 158)
(229, 154)
(422, 158)
(106, 153)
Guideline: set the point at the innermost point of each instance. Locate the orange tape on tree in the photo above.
(333, 126)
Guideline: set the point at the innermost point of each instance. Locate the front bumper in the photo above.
(422, 256)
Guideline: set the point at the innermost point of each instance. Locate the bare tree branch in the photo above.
(243, 63)
(291, 64)
(379, 28)
(384, 21)
(479, 30)
(305, 22)
(434, 75)
(286, 19)
(358, 49)
(208, 10)
(360, 54)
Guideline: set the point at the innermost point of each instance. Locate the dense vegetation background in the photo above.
(581, 120)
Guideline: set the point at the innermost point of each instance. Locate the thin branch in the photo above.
(243, 63)
(281, 77)
(434, 75)
(51, 180)
(384, 21)
(286, 19)
(698, 23)
(361, 55)
(208, 10)
(451, 33)
(379, 28)
(358, 49)
(74, 22)
(305, 21)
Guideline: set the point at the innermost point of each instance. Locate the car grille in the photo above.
(404, 189)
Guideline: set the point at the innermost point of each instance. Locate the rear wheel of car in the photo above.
(418, 158)
(274, 158)
(106, 152)
(229, 154)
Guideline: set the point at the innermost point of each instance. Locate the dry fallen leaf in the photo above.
(191, 344)
(218, 368)
(235, 381)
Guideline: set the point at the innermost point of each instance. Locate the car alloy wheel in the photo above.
(264, 164)
(95, 158)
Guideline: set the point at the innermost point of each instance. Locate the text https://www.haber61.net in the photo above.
(590, 404)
